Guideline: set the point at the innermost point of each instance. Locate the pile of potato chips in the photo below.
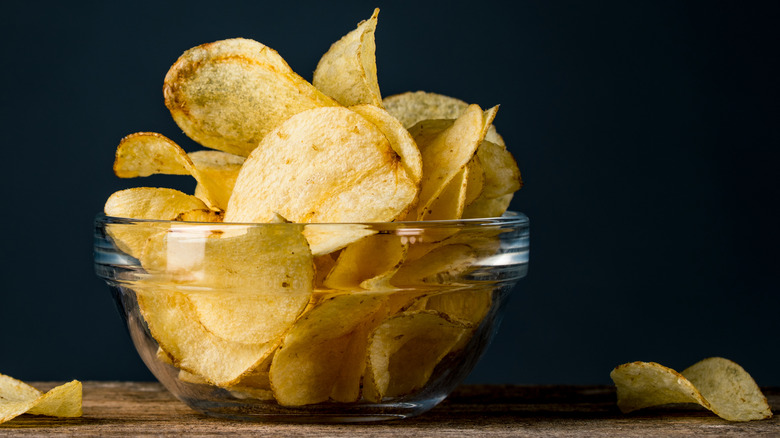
(315, 305)
(17, 398)
(715, 383)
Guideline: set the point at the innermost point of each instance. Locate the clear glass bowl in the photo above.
(381, 330)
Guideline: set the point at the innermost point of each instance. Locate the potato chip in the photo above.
(451, 201)
(475, 180)
(145, 203)
(17, 397)
(345, 156)
(200, 215)
(173, 323)
(400, 139)
(229, 94)
(448, 153)
(441, 265)
(218, 171)
(248, 284)
(731, 392)
(502, 177)
(370, 259)
(317, 351)
(726, 389)
(485, 207)
(404, 350)
(149, 153)
(347, 72)
(411, 108)
(327, 238)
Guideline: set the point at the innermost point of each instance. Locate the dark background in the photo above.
(647, 134)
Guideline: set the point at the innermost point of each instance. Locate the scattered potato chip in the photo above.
(347, 72)
(345, 156)
(404, 350)
(311, 359)
(717, 384)
(17, 397)
(229, 94)
(413, 107)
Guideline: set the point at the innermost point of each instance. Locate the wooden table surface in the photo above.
(143, 408)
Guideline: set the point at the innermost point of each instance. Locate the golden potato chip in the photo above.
(314, 353)
(17, 397)
(322, 266)
(730, 392)
(502, 177)
(467, 306)
(173, 323)
(448, 153)
(404, 350)
(370, 260)
(327, 238)
(485, 207)
(149, 153)
(451, 201)
(229, 94)
(400, 139)
(145, 203)
(442, 265)
(476, 180)
(411, 108)
(347, 72)
(200, 215)
(729, 389)
(247, 284)
(218, 171)
(345, 156)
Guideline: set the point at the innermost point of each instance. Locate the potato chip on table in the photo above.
(717, 384)
(17, 397)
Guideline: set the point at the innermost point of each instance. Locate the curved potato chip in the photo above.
(219, 171)
(441, 265)
(448, 153)
(404, 350)
(200, 215)
(317, 354)
(347, 72)
(173, 323)
(451, 201)
(17, 397)
(246, 287)
(318, 166)
(413, 107)
(371, 259)
(326, 238)
(400, 139)
(485, 207)
(229, 98)
(145, 203)
(730, 391)
(149, 153)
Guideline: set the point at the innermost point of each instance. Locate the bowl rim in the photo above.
(509, 218)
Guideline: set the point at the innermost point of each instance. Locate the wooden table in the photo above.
(142, 408)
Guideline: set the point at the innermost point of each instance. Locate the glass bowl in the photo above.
(311, 322)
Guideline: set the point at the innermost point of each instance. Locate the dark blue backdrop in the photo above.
(647, 134)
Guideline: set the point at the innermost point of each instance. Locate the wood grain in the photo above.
(143, 408)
